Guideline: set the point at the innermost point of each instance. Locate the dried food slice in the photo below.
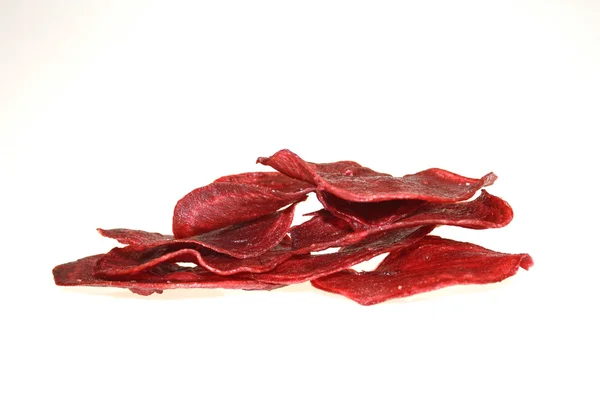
(432, 263)
(324, 230)
(305, 267)
(293, 166)
(127, 261)
(361, 184)
(484, 212)
(244, 240)
(365, 215)
(222, 204)
(135, 237)
(270, 180)
(164, 276)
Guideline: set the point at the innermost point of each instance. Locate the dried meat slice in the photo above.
(430, 264)
(127, 261)
(360, 184)
(222, 204)
(164, 276)
(324, 230)
(244, 240)
(305, 267)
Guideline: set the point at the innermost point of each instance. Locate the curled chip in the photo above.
(324, 230)
(360, 184)
(129, 261)
(165, 276)
(243, 240)
(432, 263)
(222, 204)
(365, 215)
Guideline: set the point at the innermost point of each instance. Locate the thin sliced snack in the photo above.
(324, 230)
(222, 204)
(305, 267)
(244, 240)
(236, 232)
(361, 184)
(293, 166)
(432, 263)
(127, 261)
(269, 180)
(365, 215)
(164, 276)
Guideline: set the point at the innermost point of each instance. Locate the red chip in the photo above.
(324, 230)
(364, 215)
(270, 180)
(165, 276)
(244, 240)
(302, 268)
(361, 184)
(226, 203)
(129, 261)
(432, 263)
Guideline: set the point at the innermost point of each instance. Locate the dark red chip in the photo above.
(225, 203)
(164, 276)
(294, 167)
(361, 215)
(302, 268)
(244, 240)
(129, 261)
(360, 184)
(324, 230)
(145, 292)
(432, 263)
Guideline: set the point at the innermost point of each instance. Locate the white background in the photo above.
(112, 110)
